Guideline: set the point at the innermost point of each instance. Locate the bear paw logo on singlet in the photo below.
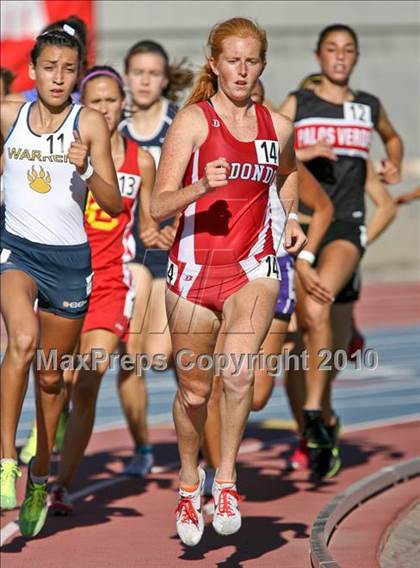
(39, 182)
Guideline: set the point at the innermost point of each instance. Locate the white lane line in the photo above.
(380, 423)
(380, 401)
(277, 401)
(8, 531)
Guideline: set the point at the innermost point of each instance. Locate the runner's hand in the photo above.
(321, 149)
(78, 153)
(215, 175)
(295, 238)
(389, 172)
(166, 237)
(149, 237)
(312, 283)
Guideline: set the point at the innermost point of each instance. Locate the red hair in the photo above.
(206, 83)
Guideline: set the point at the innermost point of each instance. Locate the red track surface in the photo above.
(389, 304)
(131, 523)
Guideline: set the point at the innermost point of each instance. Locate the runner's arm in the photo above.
(148, 228)
(391, 166)
(408, 197)
(103, 183)
(287, 183)
(187, 132)
(314, 197)
(385, 208)
(9, 112)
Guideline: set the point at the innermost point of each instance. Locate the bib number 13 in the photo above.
(267, 151)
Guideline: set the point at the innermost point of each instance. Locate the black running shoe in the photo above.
(328, 462)
(315, 431)
(335, 461)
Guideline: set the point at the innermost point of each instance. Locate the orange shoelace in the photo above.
(186, 508)
(224, 506)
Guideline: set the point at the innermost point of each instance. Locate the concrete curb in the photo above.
(331, 516)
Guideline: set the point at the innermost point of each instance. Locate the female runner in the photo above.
(223, 150)
(154, 85)
(342, 330)
(334, 126)
(29, 448)
(311, 193)
(107, 320)
(45, 254)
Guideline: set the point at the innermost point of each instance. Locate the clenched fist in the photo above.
(215, 174)
(389, 173)
(78, 153)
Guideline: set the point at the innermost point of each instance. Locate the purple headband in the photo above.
(100, 73)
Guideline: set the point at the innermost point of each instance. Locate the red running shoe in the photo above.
(60, 504)
(299, 460)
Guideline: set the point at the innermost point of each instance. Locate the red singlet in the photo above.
(111, 244)
(224, 239)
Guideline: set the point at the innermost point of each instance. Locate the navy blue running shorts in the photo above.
(62, 274)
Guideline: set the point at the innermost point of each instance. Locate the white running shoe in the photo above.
(140, 465)
(227, 517)
(189, 517)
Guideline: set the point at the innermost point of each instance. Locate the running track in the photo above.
(130, 523)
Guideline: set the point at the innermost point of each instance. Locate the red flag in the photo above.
(21, 22)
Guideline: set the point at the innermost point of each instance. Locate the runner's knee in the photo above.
(134, 344)
(317, 315)
(22, 345)
(50, 381)
(238, 381)
(194, 398)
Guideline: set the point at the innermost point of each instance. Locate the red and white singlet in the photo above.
(224, 239)
(111, 244)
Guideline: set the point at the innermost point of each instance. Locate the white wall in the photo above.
(389, 37)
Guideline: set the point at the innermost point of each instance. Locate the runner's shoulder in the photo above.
(283, 125)
(190, 120)
(9, 112)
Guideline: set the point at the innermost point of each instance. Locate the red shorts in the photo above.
(211, 286)
(111, 304)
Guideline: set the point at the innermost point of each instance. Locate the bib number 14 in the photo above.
(267, 152)
(271, 267)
